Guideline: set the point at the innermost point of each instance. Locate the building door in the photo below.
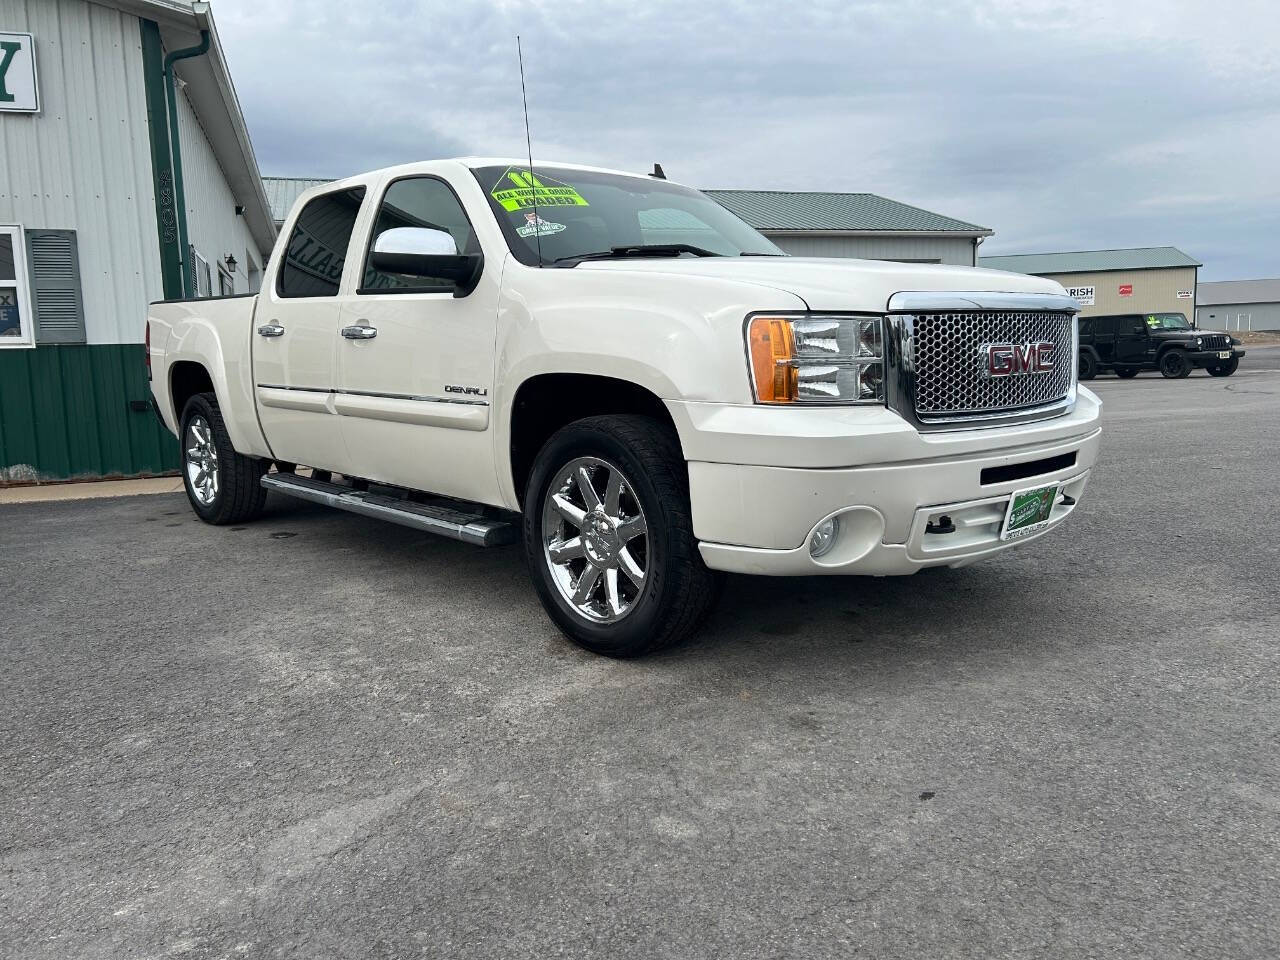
(296, 333)
(414, 379)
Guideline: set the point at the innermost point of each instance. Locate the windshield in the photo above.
(581, 214)
(1167, 321)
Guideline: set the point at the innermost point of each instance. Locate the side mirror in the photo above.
(423, 252)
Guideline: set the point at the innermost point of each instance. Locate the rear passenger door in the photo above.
(296, 333)
(1131, 339)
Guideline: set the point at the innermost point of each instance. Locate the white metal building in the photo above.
(1238, 305)
(106, 205)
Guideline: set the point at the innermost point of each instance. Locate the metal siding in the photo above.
(958, 252)
(1154, 291)
(283, 192)
(75, 417)
(1238, 291)
(84, 162)
(1239, 316)
(213, 227)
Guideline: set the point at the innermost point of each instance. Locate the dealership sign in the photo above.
(19, 86)
(1185, 294)
(1083, 294)
(1126, 289)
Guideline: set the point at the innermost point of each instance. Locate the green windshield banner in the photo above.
(519, 189)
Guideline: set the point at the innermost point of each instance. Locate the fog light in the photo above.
(824, 537)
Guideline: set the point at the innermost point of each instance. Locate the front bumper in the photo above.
(757, 518)
(1207, 358)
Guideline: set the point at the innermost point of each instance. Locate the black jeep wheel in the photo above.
(1225, 369)
(1174, 365)
(1088, 366)
(1126, 373)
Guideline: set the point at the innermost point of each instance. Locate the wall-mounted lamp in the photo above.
(239, 210)
(231, 262)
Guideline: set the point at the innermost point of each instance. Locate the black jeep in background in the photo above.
(1129, 342)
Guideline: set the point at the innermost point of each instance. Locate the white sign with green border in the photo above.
(19, 83)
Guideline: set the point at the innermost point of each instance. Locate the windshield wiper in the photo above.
(641, 250)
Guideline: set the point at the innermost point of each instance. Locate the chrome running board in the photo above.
(446, 521)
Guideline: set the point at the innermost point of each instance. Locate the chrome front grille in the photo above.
(950, 363)
(1215, 341)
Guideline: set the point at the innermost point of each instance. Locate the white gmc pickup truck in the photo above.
(621, 374)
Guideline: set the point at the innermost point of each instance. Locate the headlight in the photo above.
(816, 359)
(1199, 342)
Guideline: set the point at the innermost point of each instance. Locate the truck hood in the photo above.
(834, 284)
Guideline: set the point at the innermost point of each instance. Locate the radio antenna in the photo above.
(528, 142)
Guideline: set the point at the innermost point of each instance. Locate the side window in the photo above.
(317, 248)
(1086, 326)
(417, 202)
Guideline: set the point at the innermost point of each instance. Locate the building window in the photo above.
(40, 296)
(202, 279)
(16, 327)
(226, 283)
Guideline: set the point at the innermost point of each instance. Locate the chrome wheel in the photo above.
(201, 460)
(595, 539)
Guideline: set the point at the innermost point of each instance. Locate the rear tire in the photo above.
(222, 485)
(1225, 369)
(1126, 373)
(1174, 365)
(1088, 366)
(608, 536)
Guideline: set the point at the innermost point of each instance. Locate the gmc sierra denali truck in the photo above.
(616, 371)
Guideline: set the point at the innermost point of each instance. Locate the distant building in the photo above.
(1239, 305)
(859, 225)
(1132, 280)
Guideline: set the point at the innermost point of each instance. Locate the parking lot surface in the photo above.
(319, 736)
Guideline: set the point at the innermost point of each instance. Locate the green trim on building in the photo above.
(66, 412)
(171, 254)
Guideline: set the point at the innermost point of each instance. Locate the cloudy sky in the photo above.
(1061, 125)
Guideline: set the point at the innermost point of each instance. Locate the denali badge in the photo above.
(1016, 359)
(473, 391)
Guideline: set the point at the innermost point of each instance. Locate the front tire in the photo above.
(222, 485)
(1225, 369)
(1174, 365)
(608, 536)
(1088, 366)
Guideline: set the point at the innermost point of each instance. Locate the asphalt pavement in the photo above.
(319, 736)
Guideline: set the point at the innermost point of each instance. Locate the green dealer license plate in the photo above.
(1028, 511)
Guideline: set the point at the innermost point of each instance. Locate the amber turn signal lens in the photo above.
(772, 350)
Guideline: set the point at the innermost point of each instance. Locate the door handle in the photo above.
(359, 332)
(271, 329)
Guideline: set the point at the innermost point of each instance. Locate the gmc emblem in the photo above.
(1016, 359)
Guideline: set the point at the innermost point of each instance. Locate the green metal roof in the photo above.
(1091, 261)
(778, 211)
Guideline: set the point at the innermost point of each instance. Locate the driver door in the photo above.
(415, 363)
